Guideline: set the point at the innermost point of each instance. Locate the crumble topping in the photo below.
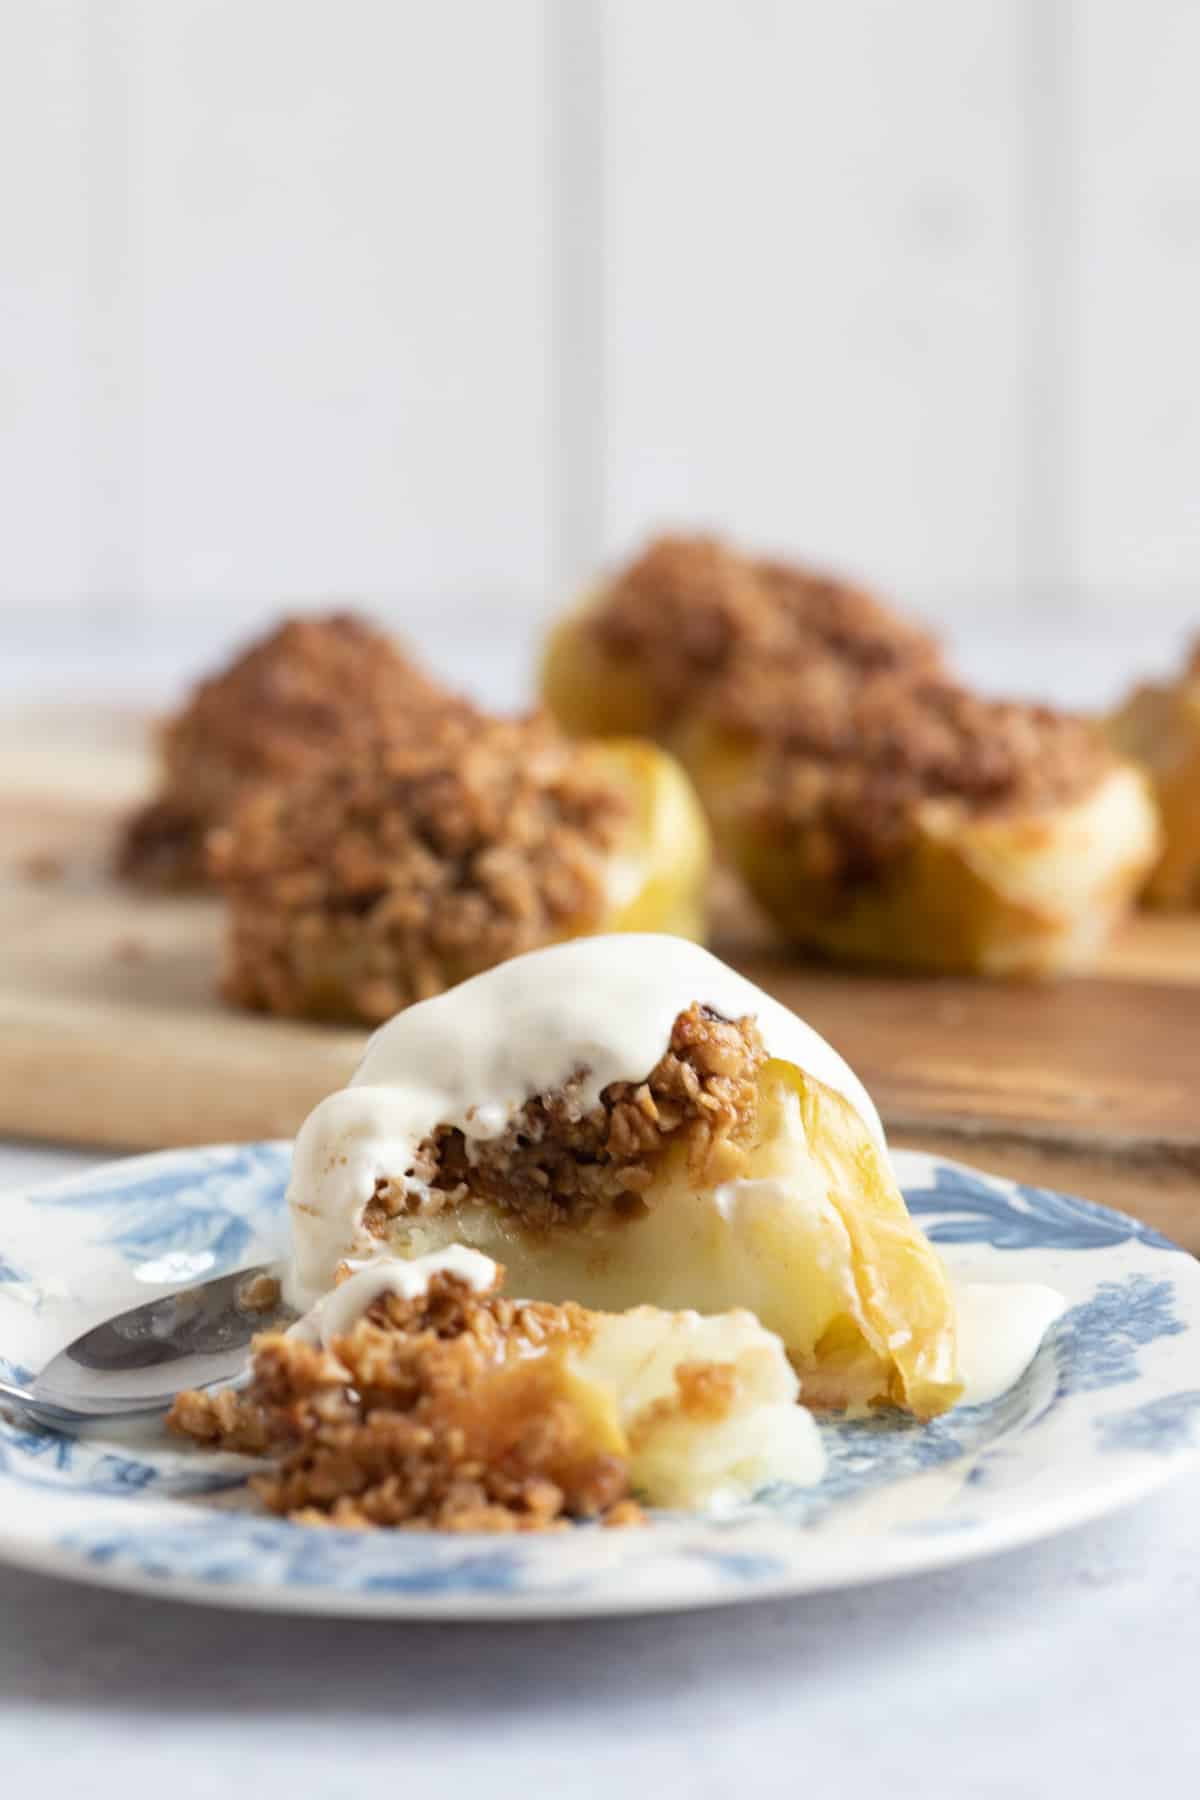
(259, 1293)
(163, 845)
(689, 606)
(858, 723)
(845, 621)
(403, 867)
(275, 712)
(704, 1391)
(851, 758)
(432, 1413)
(557, 1162)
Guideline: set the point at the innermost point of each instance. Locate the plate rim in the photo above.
(888, 1555)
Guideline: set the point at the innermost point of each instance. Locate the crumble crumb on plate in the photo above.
(415, 1395)
(448, 1411)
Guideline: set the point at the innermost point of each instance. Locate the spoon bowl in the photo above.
(138, 1361)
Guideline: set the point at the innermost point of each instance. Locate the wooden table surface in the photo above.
(110, 1032)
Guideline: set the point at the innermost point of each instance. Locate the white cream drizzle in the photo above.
(335, 1312)
(474, 1056)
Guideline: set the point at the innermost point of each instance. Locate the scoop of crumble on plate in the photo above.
(416, 1394)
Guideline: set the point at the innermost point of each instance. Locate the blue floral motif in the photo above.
(215, 1209)
(223, 1551)
(36, 1456)
(10, 1272)
(15, 1373)
(1159, 1427)
(864, 1454)
(28, 1443)
(1096, 1342)
(970, 1209)
(481, 1572)
(743, 1567)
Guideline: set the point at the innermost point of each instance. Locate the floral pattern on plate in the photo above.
(1109, 1408)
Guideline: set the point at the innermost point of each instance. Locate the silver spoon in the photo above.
(138, 1361)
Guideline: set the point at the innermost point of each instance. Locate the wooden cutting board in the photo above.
(110, 1032)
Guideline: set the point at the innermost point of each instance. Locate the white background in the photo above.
(436, 305)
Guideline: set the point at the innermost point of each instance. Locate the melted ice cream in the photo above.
(1000, 1325)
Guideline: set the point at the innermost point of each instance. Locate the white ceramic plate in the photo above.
(1109, 1409)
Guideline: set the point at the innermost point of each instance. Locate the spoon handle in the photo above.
(22, 1401)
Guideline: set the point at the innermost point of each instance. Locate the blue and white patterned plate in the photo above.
(1109, 1409)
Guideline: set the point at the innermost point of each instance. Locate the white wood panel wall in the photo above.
(819, 285)
(436, 306)
(1133, 463)
(276, 305)
(343, 288)
(44, 401)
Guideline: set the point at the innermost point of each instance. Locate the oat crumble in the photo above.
(689, 607)
(850, 758)
(395, 871)
(259, 1293)
(313, 685)
(556, 1162)
(437, 1413)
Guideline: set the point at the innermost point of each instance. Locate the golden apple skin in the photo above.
(661, 870)
(895, 1335)
(1016, 894)
(808, 1232)
(1159, 726)
(588, 690)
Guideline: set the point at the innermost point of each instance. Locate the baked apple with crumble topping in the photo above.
(625, 1121)
(391, 874)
